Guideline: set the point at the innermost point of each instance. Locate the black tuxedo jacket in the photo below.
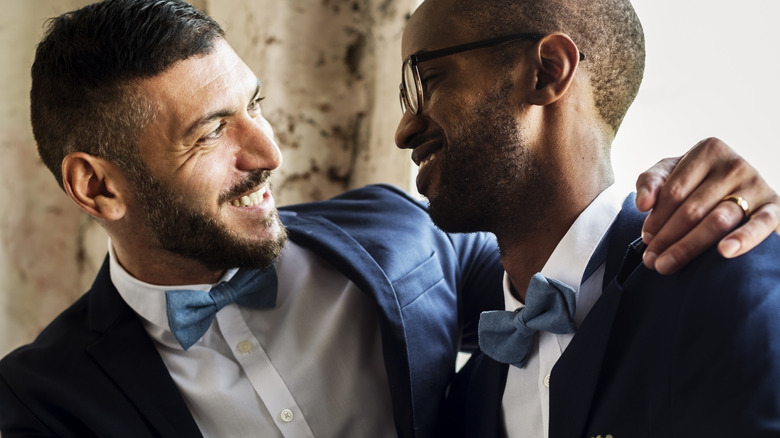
(694, 354)
(94, 372)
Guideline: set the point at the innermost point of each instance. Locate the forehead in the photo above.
(198, 85)
(434, 25)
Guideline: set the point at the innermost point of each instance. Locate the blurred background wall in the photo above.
(330, 72)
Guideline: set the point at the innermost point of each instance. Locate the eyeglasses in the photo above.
(411, 89)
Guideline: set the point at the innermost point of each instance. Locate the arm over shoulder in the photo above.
(394, 226)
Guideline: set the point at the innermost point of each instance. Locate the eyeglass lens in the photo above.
(410, 88)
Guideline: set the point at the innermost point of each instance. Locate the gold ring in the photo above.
(739, 200)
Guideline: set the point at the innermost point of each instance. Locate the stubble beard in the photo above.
(489, 179)
(187, 232)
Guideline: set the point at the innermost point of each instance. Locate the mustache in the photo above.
(254, 179)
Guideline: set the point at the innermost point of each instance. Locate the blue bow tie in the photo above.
(508, 336)
(190, 312)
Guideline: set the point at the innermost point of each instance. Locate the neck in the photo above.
(582, 173)
(160, 267)
(525, 252)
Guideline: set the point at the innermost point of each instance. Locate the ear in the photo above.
(555, 59)
(95, 185)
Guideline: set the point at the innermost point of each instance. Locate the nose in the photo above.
(409, 126)
(258, 149)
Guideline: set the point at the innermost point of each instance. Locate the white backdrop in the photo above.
(713, 69)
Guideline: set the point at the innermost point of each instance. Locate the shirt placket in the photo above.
(265, 379)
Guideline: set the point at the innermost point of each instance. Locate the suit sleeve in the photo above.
(481, 282)
(382, 210)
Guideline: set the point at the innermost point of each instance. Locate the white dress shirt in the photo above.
(310, 366)
(526, 401)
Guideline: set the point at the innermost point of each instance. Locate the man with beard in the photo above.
(510, 107)
(152, 125)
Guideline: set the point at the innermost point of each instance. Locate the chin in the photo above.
(456, 215)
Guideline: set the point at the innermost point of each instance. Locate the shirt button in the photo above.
(547, 381)
(244, 346)
(286, 415)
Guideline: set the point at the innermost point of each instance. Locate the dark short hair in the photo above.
(607, 31)
(84, 94)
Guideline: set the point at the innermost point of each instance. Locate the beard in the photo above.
(490, 181)
(183, 230)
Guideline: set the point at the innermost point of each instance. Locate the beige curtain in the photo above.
(330, 72)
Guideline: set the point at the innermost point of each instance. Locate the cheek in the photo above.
(206, 177)
(455, 110)
(456, 95)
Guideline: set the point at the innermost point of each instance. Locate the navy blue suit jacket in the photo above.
(694, 354)
(94, 371)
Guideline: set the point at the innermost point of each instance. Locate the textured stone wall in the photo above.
(330, 71)
(48, 249)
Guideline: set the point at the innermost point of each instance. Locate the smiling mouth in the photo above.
(252, 199)
(426, 161)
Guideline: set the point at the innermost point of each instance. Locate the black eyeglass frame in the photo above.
(419, 57)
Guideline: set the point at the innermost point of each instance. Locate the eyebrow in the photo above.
(218, 114)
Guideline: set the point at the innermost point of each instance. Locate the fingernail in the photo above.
(729, 247)
(649, 259)
(665, 264)
(641, 193)
(647, 237)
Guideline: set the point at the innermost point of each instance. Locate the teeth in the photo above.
(425, 162)
(251, 199)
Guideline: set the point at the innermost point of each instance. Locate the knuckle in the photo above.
(769, 214)
(714, 145)
(774, 203)
(722, 220)
(655, 175)
(692, 212)
(774, 215)
(731, 162)
(738, 166)
(674, 192)
(660, 244)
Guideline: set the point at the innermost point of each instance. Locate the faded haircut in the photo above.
(87, 66)
(607, 31)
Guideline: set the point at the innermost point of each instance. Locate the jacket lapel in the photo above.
(353, 260)
(128, 356)
(575, 376)
(474, 405)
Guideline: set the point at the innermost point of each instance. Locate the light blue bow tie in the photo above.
(508, 336)
(190, 312)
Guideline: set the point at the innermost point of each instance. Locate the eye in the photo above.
(426, 80)
(254, 105)
(215, 134)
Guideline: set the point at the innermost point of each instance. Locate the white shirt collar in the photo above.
(569, 259)
(148, 300)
